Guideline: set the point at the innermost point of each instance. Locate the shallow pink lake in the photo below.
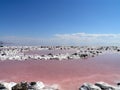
(69, 74)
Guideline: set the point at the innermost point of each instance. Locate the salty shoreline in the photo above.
(53, 52)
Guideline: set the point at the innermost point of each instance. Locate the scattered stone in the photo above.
(105, 86)
(98, 86)
(20, 86)
(27, 86)
(89, 86)
(37, 86)
(75, 52)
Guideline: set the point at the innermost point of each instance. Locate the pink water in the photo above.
(68, 74)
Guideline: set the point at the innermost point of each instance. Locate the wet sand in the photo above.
(69, 74)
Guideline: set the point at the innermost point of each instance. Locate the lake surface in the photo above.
(69, 74)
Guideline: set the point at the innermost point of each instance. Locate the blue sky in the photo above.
(49, 20)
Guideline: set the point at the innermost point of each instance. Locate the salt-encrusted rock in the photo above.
(2, 87)
(98, 86)
(89, 86)
(40, 86)
(32, 83)
(118, 84)
(36, 85)
(27, 86)
(20, 86)
(105, 86)
(9, 85)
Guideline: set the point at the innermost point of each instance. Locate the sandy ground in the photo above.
(69, 74)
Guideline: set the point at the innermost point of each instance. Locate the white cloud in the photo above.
(86, 35)
(91, 39)
(67, 39)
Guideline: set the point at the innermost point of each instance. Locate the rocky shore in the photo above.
(70, 52)
(99, 86)
(27, 86)
(41, 86)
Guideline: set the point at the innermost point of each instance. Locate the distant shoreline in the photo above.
(53, 52)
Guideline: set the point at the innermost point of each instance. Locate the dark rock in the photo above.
(83, 55)
(118, 50)
(32, 83)
(75, 54)
(88, 86)
(118, 84)
(50, 54)
(105, 86)
(2, 87)
(1, 46)
(21, 86)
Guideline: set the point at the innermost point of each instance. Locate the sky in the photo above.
(60, 22)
